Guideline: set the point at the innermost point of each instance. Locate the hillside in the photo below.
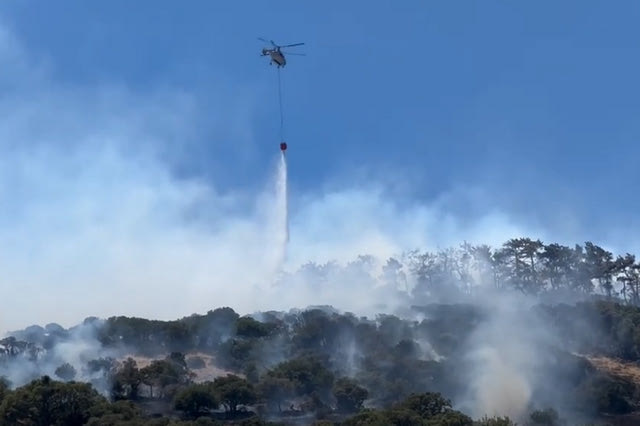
(328, 363)
(468, 349)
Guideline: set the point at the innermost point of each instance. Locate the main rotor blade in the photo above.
(296, 54)
(291, 45)
(268, 41)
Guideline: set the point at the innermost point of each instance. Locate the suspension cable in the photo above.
(280, 102)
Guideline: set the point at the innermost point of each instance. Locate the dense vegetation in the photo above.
(320, 365)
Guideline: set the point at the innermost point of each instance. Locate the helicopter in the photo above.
(277, 56)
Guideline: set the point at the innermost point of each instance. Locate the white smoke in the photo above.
(95, 221)
(505, 355)
(76, 347)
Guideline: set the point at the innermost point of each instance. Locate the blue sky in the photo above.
(411, 121)
(536, 102)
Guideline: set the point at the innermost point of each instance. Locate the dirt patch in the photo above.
(207, 373)
(623, 369)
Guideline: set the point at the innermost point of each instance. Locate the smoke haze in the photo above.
(95, 219)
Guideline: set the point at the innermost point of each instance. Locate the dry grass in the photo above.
(207, 373)
(623, 369)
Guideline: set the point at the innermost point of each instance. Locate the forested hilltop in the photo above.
(528, 333)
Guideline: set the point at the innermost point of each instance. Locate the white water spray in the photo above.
(282, 211)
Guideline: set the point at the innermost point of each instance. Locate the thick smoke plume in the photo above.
(503, 354)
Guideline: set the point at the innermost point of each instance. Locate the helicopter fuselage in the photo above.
(277, 58)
